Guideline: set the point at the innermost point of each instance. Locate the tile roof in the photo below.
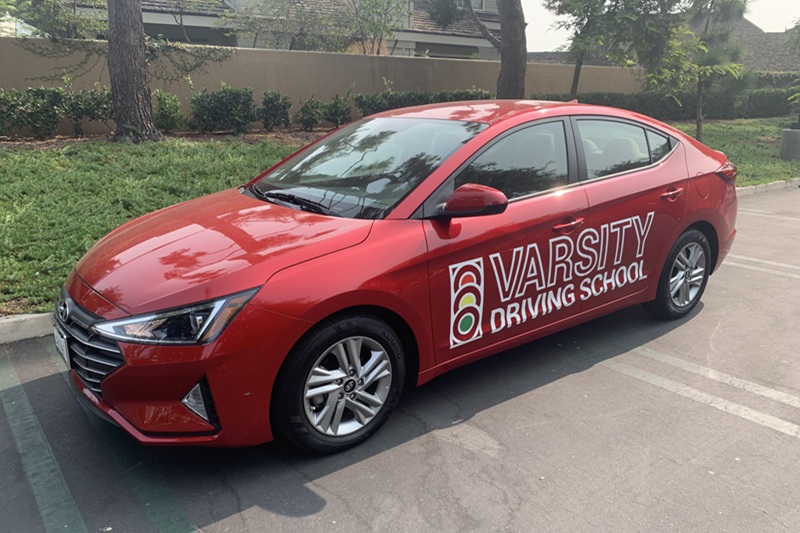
(464, 26)
(562, 58)
(193, 7)
(765, 51)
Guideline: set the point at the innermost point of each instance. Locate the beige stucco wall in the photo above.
(303, 74)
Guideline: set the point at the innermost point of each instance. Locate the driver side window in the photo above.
(525, 162)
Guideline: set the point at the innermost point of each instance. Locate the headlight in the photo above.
(195, 324)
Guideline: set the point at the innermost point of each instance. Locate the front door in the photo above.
(500, 277)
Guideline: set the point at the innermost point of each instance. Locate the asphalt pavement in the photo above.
(626, 423)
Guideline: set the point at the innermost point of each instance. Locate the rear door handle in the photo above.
(568, 227)
(672, 194)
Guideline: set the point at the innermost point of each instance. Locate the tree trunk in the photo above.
(133, 109)
(513, 50)
(698, 113)
(576, 77)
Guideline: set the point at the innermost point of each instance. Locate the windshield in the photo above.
(366, 168)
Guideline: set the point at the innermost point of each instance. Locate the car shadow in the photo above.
(209, 485)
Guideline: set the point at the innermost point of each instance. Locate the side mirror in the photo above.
(473, 200)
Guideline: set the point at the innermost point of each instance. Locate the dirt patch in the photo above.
(17, 306)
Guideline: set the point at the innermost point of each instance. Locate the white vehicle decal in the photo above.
(527, 290)
(466, 302)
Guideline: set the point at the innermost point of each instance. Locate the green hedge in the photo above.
(759, 103)
(776, 80)
(38, 111)
(224, 110)
(372, 103)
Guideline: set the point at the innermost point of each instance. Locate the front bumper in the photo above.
(143, 394)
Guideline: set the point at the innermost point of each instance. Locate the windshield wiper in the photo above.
(305, 203)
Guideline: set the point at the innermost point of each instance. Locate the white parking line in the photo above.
(763, 261)
(721, 377)
(56, 505)
(764, 270)
(716, 402)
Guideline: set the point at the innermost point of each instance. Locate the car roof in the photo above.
(495, 111)
(487, 111)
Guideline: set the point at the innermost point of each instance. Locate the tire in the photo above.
(683, 278)
(339, 384)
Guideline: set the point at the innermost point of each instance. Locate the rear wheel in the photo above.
(684, 276)
(339, 384)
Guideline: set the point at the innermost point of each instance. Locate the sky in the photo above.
(769, 15)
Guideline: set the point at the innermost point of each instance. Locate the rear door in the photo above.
(635, 178)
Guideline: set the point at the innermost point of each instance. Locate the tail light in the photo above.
(728, 173)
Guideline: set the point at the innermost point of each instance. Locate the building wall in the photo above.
(301, 75)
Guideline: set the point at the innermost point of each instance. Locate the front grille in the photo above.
(91, 356)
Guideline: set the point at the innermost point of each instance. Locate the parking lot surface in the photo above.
(626, 423)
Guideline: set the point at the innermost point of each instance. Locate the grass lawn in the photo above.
(57, 200)
(752, 145)
(55, 203)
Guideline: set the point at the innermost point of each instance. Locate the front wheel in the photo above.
(339, 384)
(684, 276)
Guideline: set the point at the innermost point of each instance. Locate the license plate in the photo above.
(61, 344)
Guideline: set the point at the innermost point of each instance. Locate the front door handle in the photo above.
(672, 194)
(568, 227)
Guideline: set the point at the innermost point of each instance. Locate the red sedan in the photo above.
(386, 253)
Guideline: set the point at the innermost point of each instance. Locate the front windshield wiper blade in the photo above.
(305, 203)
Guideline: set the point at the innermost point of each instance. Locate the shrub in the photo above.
(369, 104)
(337, 112)
(462, 94)
(647, 103)
(168, 116)
(794, 99)
(762, 103)
(275, 110)
(721, 105)
(223, 110)
(9, 102)
(94, 105)
(776, 80)
(310, 113)
(37, 111)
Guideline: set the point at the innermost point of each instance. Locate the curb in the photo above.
(766, 187)
(15, 328)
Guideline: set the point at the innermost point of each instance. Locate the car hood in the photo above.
(208, 247)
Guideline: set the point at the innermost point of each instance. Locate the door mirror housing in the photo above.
(473, 200)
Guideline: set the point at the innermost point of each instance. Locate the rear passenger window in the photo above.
(659, 146)
(611, 147)
(527, 161)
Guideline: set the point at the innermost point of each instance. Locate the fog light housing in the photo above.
(198, 401)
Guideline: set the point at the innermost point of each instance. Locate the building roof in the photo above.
(562, 58)
(192, 7)
(464, 26)
(765, 51)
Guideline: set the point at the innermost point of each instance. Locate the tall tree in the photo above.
(61, 19)
(586, 19)
(513, 50)
(376, 21)
(794, 45)
(627, 32)
(292, 24)
(512, 45)
(711, 21)
(133, 109)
